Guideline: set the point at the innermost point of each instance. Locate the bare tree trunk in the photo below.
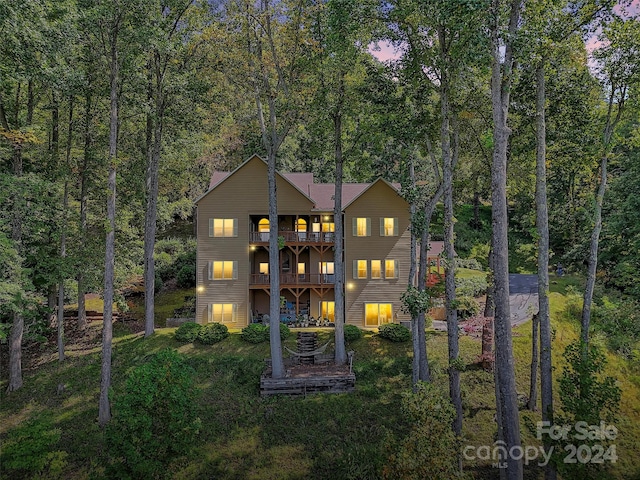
(84, 197)
(63, 256)
(450, 271)
(533, 384)
(500, 88)
(152, 203)
(17, 328)
(415, 340)
(340, 354)
(104, 414)
(542, 227)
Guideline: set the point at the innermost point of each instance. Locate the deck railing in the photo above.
(294, 237)
(294, 279)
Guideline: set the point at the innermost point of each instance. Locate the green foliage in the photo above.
(255, 333)
(467, 307)
(587, 395)
(155, 418)
(258, 333)
(352, 333)
(212, 333)
(429, 450)
(480, 252)
(186, 276)
(31, 450)
(471, 286)
(394, 332)
(284, 331)
(188, 332)
(470, 263)
(415, 302)
(619, 321)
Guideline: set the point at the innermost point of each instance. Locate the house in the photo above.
(232, 277)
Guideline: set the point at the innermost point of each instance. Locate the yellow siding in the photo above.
(379, 201)
(240, 195)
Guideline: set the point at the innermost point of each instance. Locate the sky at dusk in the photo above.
(385, 51)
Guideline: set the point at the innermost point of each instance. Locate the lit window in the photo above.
(377, 314)
(263, 225)
(327, 310)
(388, 227)
(301, 225)
(361, 227)
(222, 312)
(390, 269)
(264, 268)
(360, 269)
(223, 227)
(326, 268)
(328, 227)
(301, 268)
(376, 269)
(225, 270)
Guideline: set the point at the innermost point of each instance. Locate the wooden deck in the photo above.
(309, 379)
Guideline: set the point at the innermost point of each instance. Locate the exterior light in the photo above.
(200, 289)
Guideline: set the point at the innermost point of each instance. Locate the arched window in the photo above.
(301, 225)
(263, 225)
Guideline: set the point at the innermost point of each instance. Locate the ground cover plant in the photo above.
(243, 436)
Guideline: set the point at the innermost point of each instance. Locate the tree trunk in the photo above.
(533, 384)
(340, 354)
(152, 203)
(411, 281)
(17, 328)
(63, 256)
(593, 255)
(449, 280)
(500, 89)
(104, 414)
(84, 197)
(542, 227)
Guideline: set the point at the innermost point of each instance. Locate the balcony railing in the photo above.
(294, 237)
(294, 279)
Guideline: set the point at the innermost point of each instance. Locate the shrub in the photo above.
(430, 448)
(30, 450)
(284, 331)
(188, 332)
(212, 333)
(470, 263)
(351, 333)
(472, 286)
(186, 276)
(255, 333)
(467, 307)
(154, 418)
(394, 332)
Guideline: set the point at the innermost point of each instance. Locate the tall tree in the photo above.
(501, 81)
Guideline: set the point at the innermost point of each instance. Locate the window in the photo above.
(327, 310)
(327, 272)
(361, 227)
(360, 269)
(326, 268)
(223, 227)
(301, 268)
(264, 268)
(222, 312)
(328, 227)
(376, 269)
(263, 225)
(388, 227)
(224, 270)
(390, 269)
(301, 225)
(377, 314)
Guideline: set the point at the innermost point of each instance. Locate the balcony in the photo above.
(294, 279)
(301, 238)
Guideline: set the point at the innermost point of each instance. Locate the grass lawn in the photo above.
(243, 436)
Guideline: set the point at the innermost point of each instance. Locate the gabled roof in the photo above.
(321, 194)
(219, 177)
(394, 187)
